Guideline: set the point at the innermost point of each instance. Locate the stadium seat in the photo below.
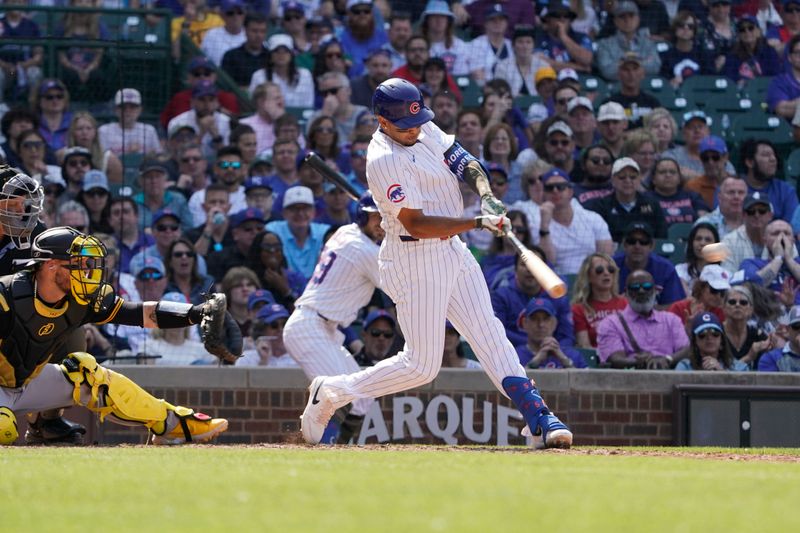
(658, 87)
(679, 231)
(732, 104)
(702, 89)
(756, 89)
(523, 102)
(791, 167)
(594, 84)
(470, 91)
(673, 250)
(761, 125)
(678, 104)
(590, 356)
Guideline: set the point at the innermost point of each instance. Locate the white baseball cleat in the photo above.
(318, 412)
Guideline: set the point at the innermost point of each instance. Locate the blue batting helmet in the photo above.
(366, 205)
(400, 102)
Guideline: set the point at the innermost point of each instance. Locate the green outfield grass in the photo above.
(237, 489)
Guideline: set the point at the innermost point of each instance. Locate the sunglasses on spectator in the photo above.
(687, 25)
(271, 247)
(96, 193)
(712, 332)
(233, 12)
(334, 55)
(534, 180)
(325, 129)
(715, 292)
(605, 161)
(202, 72)
(53, 96)
(560, 187)
(358, 153)
(630, 241)
(519, 229)
(191, 159)
(791, 10)
(734, 302)
(564, 101)
(186, 253)
(706, 157)
(647, 286)
(795, 327)
(332, 90)
(365, 11)
(33, 145)
(288, 17)
(556, 142)
(167, 227)
(757, 211)
(747, 28)
(224, 165)
(377, 333)
(78, 163)
(599, 269)
(148, 276)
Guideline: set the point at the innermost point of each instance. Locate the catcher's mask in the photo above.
(21, 201)
(86, 255)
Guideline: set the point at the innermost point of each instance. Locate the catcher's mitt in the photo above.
(219, 331)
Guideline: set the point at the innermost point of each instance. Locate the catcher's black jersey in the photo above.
(31, 332)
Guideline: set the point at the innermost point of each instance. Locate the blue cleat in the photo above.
(555, 434)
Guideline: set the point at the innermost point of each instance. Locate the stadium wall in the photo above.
(603, 407)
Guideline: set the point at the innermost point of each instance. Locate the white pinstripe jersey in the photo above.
(415, 177)
(345, 276)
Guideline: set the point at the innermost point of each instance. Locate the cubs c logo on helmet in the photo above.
(414, 108)
(395, 193)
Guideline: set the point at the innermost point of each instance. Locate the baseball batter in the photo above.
(413, 170)
(343, 282)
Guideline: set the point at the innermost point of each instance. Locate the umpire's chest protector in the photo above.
(37, 331)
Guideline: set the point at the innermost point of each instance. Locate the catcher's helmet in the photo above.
(400, 102)
(366, 205)
(21, 201)
(86, 255)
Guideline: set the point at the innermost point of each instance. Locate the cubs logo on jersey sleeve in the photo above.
(395, 193)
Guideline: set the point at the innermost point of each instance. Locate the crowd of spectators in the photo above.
(595, 182)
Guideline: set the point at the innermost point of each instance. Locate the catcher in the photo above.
(62, 288)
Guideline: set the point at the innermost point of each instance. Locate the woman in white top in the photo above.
(438, 28)
(83, 132)
(175, 346)
(295, 82)
(701, 235)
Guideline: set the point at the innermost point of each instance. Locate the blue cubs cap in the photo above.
(256, 182)
(540, 304)
(375, 315)
(704, 321)
(271, 312)
(260, 296)
(712, 143)
(553, 172)
(200, 62)
(252, 213)
(747, 18)
(400, 102)
(496, 167)
(164, 213)
(496, 10)
(143, 261)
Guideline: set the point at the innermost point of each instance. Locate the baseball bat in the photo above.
(331, 175)
(548, 279)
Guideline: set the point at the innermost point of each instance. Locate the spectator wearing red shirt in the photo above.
(595, 296)
(708, 294)
(200, 68)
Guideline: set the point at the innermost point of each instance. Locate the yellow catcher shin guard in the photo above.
(112, 393)
(8, 426)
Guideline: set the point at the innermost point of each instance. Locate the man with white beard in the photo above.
(640, 336)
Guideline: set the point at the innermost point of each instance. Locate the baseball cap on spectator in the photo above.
(299, 194)
(152, 163)
(496, 10)
(559, 126)
(143, 261)
(353, 3)
(263, 157)
(177, 128)
(203, 88)
(704, 321)
(784, 2)
(747, 18)
(319, 22)
(278, 40)
(256, 182)
(165, 213)
(496, 167)
(245, 215)
(54, 180)
(436, 7)
(524, 30)
(75, 151)
(642, 227)
(259, 296)
(624, 162)
(95, 179)
(553, 172)
(712, 143)
(128, 96)
(558, 6)
(199, 62)
(271, 312)
(694, 115)
(579, 101)
(716, 276)
(227, 5)
(534, 305)
(794, 315)
(568, 74)
(630, 57)
(292, 6)
(544, 73)
(755, 198)
(377, 52)
(626, 6)
(51, 84)
(611, 111)
(375, 315)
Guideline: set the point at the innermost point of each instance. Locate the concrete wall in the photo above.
(603, 407)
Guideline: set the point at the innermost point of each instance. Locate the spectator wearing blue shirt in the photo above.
(750, 56)
(509, 300)
(361, 34)
(638, 254)
(786, 359)
(245, 225)
(302, 239)
(20, 65)
(760, 161)
(778, 267)
(542, 350)
(783, 93)
(556, 40)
